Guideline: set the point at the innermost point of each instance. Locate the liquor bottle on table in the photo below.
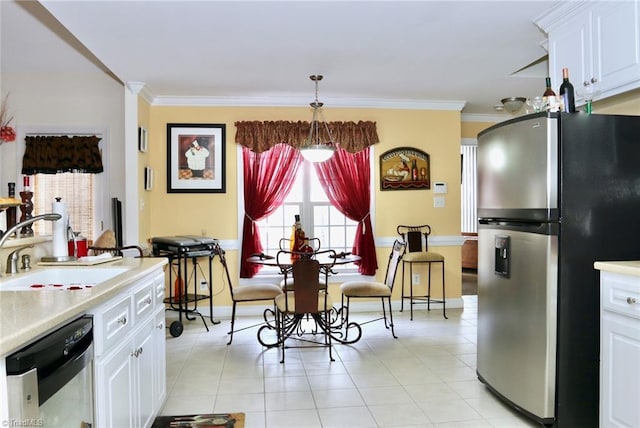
(295, 231)
(567, 96)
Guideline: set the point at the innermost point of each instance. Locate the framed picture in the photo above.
(405, 168)
(148, 178)
(195, 158)
(142, 139)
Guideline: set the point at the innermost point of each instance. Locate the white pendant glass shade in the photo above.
(317, 148)
(317, 152)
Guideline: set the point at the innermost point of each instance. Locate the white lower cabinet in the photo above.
(115, 388)
(130, 375)
(620, 351)
(160, 364)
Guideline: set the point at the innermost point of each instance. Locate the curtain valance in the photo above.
(54, 154)
(261, 136)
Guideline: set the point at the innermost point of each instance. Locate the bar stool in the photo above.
(414, 236)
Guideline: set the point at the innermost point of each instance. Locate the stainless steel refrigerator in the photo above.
(556, 192)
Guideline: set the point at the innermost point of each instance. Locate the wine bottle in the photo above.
(566, 93)
(549, 97)
(297, 226)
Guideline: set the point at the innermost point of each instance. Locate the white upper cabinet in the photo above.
(598, 41)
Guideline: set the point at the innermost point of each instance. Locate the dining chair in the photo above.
(132, 250)
(417, 253)
(246, 293)
(305, 302)
(314, 244)
(106, 243)
(285, 244)
(373, 289)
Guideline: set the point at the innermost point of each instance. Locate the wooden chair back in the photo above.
(306, 286)
(416, 237)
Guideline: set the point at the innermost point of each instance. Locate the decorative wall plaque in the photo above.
(404, 168)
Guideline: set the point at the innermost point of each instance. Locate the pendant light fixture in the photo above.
(316, 148)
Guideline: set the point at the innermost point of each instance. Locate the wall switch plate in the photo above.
(438, 201)
(415, 279)
(204, 286)
(439, 187)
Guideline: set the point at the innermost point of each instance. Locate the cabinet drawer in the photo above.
(621, 294)
(112, 323)
(143, 299)
(158, 283)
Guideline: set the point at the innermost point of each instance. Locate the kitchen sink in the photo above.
(60, 278)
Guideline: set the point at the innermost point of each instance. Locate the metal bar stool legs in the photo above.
(422, 299)
(444, 299)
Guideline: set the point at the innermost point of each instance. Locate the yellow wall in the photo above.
(628, 103)
(215, 215)
(471, 129)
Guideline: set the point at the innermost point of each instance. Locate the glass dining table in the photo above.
(336, 325)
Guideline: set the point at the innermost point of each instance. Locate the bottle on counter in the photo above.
(26, 183)
(567, 95)
(11, 211)
(549, 97)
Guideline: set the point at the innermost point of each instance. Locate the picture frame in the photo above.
(405, 168)
(148, 178)
(142, 139)
(196, 158)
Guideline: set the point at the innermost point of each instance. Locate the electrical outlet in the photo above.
(204, 286)
(438, 201)
(415, 279)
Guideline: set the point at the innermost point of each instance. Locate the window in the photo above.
(319, 218)
(469, 189)
(84, 193)
(76, 189)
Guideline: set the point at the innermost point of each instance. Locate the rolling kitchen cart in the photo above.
(179, 249)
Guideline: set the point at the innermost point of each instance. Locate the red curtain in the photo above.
(268, 178)
(345, 179)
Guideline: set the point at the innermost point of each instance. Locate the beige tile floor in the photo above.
(425, 378)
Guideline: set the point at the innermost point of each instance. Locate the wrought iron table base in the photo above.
(332, 328)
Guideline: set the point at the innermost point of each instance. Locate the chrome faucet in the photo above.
(12, 260)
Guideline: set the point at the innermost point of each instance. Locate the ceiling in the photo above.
(396, 54)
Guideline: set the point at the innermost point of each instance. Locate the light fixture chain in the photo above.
(314, 149)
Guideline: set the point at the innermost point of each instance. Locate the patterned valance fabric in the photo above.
(261, 136)
(54, 154)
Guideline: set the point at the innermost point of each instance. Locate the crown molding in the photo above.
(141, 89)
(560, 14)
(299, 101)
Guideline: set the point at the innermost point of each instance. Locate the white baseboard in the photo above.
(248, 310)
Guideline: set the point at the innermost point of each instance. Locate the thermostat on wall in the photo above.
(439, 187)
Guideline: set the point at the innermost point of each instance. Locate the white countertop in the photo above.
(26, 315)
(631, 267)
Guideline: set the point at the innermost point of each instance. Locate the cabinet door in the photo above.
(570, 47)
(616, 44)
(160, 375)
(144, 366)
(115, 386)
(619, 371)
